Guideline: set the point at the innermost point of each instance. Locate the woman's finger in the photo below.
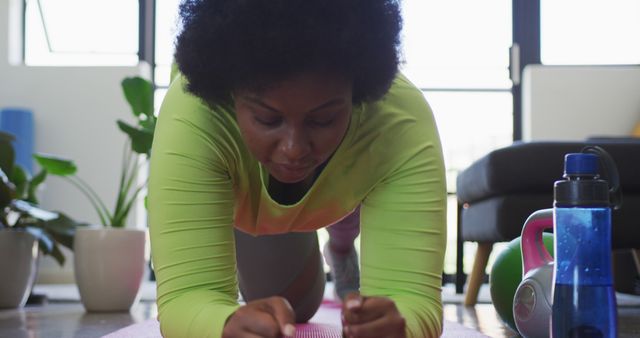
(352, 302)
(283, 313)
(261, 323)
(370, 309)
(266, 318)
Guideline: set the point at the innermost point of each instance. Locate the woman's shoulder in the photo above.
(214, 125)
(402, 112)
(403, 98)
(179, 102)
(392, 130)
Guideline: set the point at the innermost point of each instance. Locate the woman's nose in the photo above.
(295, 145)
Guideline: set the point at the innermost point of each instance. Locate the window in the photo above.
(590, 32)
(457, 52)
(81, 32)
(457, 43)
(166, 31)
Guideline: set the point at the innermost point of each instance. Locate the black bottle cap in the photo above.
(587, 192)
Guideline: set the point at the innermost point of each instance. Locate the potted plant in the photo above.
(110, 258)
(25, 229)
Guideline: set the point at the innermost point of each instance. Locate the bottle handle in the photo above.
(610, 174)
(534, 253)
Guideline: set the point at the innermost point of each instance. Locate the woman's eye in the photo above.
(269, 122)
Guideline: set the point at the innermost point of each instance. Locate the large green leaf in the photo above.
(7, 154)
(47, 244)
(57, 254)
(56, 165)
(33, 211)
(62, 228)
(139, 94)
(20, 178)
(141, 139)
(149, 124)
(51, 229)
(33, 186)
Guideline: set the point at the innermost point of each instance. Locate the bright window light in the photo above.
(166, 31)
(81, 32)
(457, 43)
(471, 124)
(590, 32)
(458, 52)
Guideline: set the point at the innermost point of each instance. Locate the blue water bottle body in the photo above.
(584, 303)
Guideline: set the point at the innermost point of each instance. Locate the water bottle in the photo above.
(584, 303)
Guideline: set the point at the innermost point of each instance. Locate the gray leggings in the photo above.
(287, 265)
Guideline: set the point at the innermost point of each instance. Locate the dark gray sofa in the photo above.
(499, 191)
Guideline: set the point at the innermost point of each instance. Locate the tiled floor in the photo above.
(67, 318)
(483, 318)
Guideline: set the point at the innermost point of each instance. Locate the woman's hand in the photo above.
(264, 318)
(371, 317)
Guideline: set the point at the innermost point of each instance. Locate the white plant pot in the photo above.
(109, 265)
(18, 254)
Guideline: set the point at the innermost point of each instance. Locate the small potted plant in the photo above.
(110, 258)
(25, 228)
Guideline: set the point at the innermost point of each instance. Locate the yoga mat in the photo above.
(325, 324)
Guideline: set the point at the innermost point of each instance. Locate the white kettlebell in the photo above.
(533, 299)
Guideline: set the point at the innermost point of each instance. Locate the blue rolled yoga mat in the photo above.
(19, 122)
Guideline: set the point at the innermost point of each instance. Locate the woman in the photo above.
(286, 117)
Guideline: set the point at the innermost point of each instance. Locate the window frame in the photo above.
(146, 33)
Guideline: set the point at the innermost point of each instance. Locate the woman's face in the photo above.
(296, 125)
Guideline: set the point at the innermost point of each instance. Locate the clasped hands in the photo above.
(362, 317)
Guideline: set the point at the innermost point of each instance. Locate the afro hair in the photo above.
(226, 45)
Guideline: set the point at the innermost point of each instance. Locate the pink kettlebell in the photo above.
(533, 299)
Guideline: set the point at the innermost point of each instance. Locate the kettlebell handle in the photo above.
(534, 253)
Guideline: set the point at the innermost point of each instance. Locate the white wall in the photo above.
(75, 111)
(577, 102)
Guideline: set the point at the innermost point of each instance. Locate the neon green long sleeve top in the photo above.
(204, 181)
